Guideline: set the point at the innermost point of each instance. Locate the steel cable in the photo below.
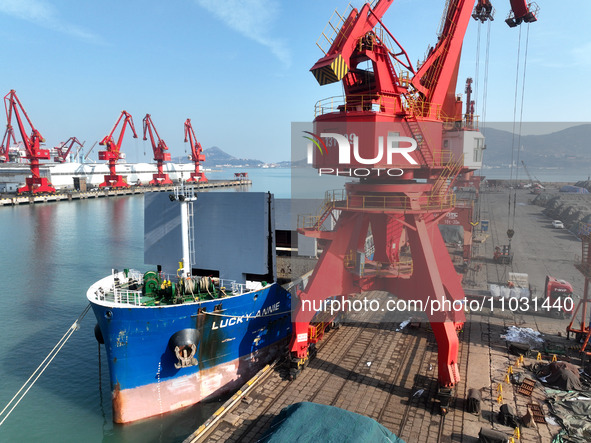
(43, 366)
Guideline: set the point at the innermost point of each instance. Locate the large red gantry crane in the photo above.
(34, 184)
(401, 129)
(160, 155)
(64, 149)
(196, 154)
(113, 152)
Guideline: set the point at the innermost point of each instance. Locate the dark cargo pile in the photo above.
(312, 422)
(571, 209)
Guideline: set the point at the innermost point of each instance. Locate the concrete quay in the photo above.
(15, 199)
(390, 375)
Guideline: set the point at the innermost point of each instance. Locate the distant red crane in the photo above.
(35, 184)
(196, 153)
(160, 155)
(5, 146)
(113, 152)
(64, 149)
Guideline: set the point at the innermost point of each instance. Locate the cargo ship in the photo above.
(173, 341)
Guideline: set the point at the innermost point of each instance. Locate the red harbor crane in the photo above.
(160, 155)
(401, 131)
(34, 184)
(196, 154)
(113, 152)
(63, 150)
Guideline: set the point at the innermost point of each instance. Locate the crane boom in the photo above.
(534, 181)
(113, 151)
(521, 11)
(196, 153)
(78, 150)
(64, 149)
(5, 145)
(160, 155)
(89, 151)
(435, 80)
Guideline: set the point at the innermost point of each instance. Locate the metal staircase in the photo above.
(422, 145)
(444, 183)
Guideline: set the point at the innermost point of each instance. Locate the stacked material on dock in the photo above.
(316, 422)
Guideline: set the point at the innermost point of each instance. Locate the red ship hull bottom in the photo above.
(170, 395)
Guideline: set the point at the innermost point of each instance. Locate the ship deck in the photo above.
(391, 376)
(127, 288)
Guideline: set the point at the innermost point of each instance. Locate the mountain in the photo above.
(565, 148)
(215, 157)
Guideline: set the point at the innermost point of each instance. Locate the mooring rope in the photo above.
(42, 367)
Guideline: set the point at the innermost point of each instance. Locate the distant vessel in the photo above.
(174, 341)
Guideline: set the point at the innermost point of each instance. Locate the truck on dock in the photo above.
(559, 296)
(556, 300)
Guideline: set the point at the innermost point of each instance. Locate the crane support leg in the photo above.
(432, 280)
(435, 282)
(198, 177)
(160, 179)
(330, 278)
(114, 181)
(36, 184)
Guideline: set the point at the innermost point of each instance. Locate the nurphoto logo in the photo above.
(346, 144)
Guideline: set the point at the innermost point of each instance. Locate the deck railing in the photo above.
(118, 292)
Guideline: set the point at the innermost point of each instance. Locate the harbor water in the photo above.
(50, 254)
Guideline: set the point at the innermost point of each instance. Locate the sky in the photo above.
(239, 69)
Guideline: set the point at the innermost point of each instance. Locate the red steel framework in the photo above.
(34, 184)
(420, 117)
(160, 155)
(64, 149)
(113, 152)
(196, 153)
(583, 331)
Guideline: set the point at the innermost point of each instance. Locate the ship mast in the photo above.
(186, 196)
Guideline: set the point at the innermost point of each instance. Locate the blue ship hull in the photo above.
(234, 337)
